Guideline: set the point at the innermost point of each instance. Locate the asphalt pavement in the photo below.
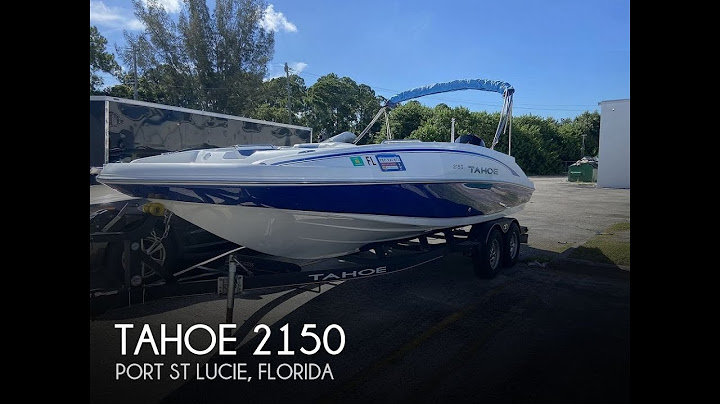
(436, 333)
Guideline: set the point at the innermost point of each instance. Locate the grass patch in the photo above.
(610, 247)
(559, 248)
(622, 226)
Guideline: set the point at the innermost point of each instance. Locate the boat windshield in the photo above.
(344, 137)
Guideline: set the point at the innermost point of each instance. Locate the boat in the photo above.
(336, 197)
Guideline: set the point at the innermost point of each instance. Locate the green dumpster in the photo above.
(583, 170)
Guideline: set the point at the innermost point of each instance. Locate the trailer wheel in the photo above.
(511, 244)
(164, 255)
(487, 258)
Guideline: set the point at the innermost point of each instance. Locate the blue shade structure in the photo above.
(497, 86)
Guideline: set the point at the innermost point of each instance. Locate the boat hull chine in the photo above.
(308, 234)
(425, 200)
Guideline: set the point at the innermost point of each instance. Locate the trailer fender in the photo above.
(481, 231)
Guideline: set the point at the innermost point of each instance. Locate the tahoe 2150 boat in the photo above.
(335, 197)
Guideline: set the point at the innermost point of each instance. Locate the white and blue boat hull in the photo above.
(327, 200)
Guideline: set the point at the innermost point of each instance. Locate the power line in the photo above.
(529, 106)
(537, 107)
(518, 106)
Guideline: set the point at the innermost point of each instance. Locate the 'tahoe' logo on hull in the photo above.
(483, 170)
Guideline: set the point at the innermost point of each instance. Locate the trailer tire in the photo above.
(511, 246)
(487, 257)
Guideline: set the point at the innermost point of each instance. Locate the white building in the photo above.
(614, 153)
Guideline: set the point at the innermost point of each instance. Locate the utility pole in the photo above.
(135, 84)
(452, 130)
(287, 76)
(582, 150)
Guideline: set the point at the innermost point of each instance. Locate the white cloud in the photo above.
(135, 25)
(297, 67)
(171, 6)
(113, 17)
(278, 70)
(276, 21)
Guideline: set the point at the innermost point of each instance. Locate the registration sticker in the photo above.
(357, 161)
(390, 162)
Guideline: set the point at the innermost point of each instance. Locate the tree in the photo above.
(272, 114)
(484, 125)
(273, 99)
(588, 124)
(406, 118)
(100, 59)
(339, 104)
(214, 62)
(154, 85)
(437, 127)
(572, 131)
(368, 105)
(535, 144)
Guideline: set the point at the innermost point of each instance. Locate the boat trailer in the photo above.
(491, 245)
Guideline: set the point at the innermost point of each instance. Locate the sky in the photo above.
(562, 56)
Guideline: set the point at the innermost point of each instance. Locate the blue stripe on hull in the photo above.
(413, 150)
(439, 200)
